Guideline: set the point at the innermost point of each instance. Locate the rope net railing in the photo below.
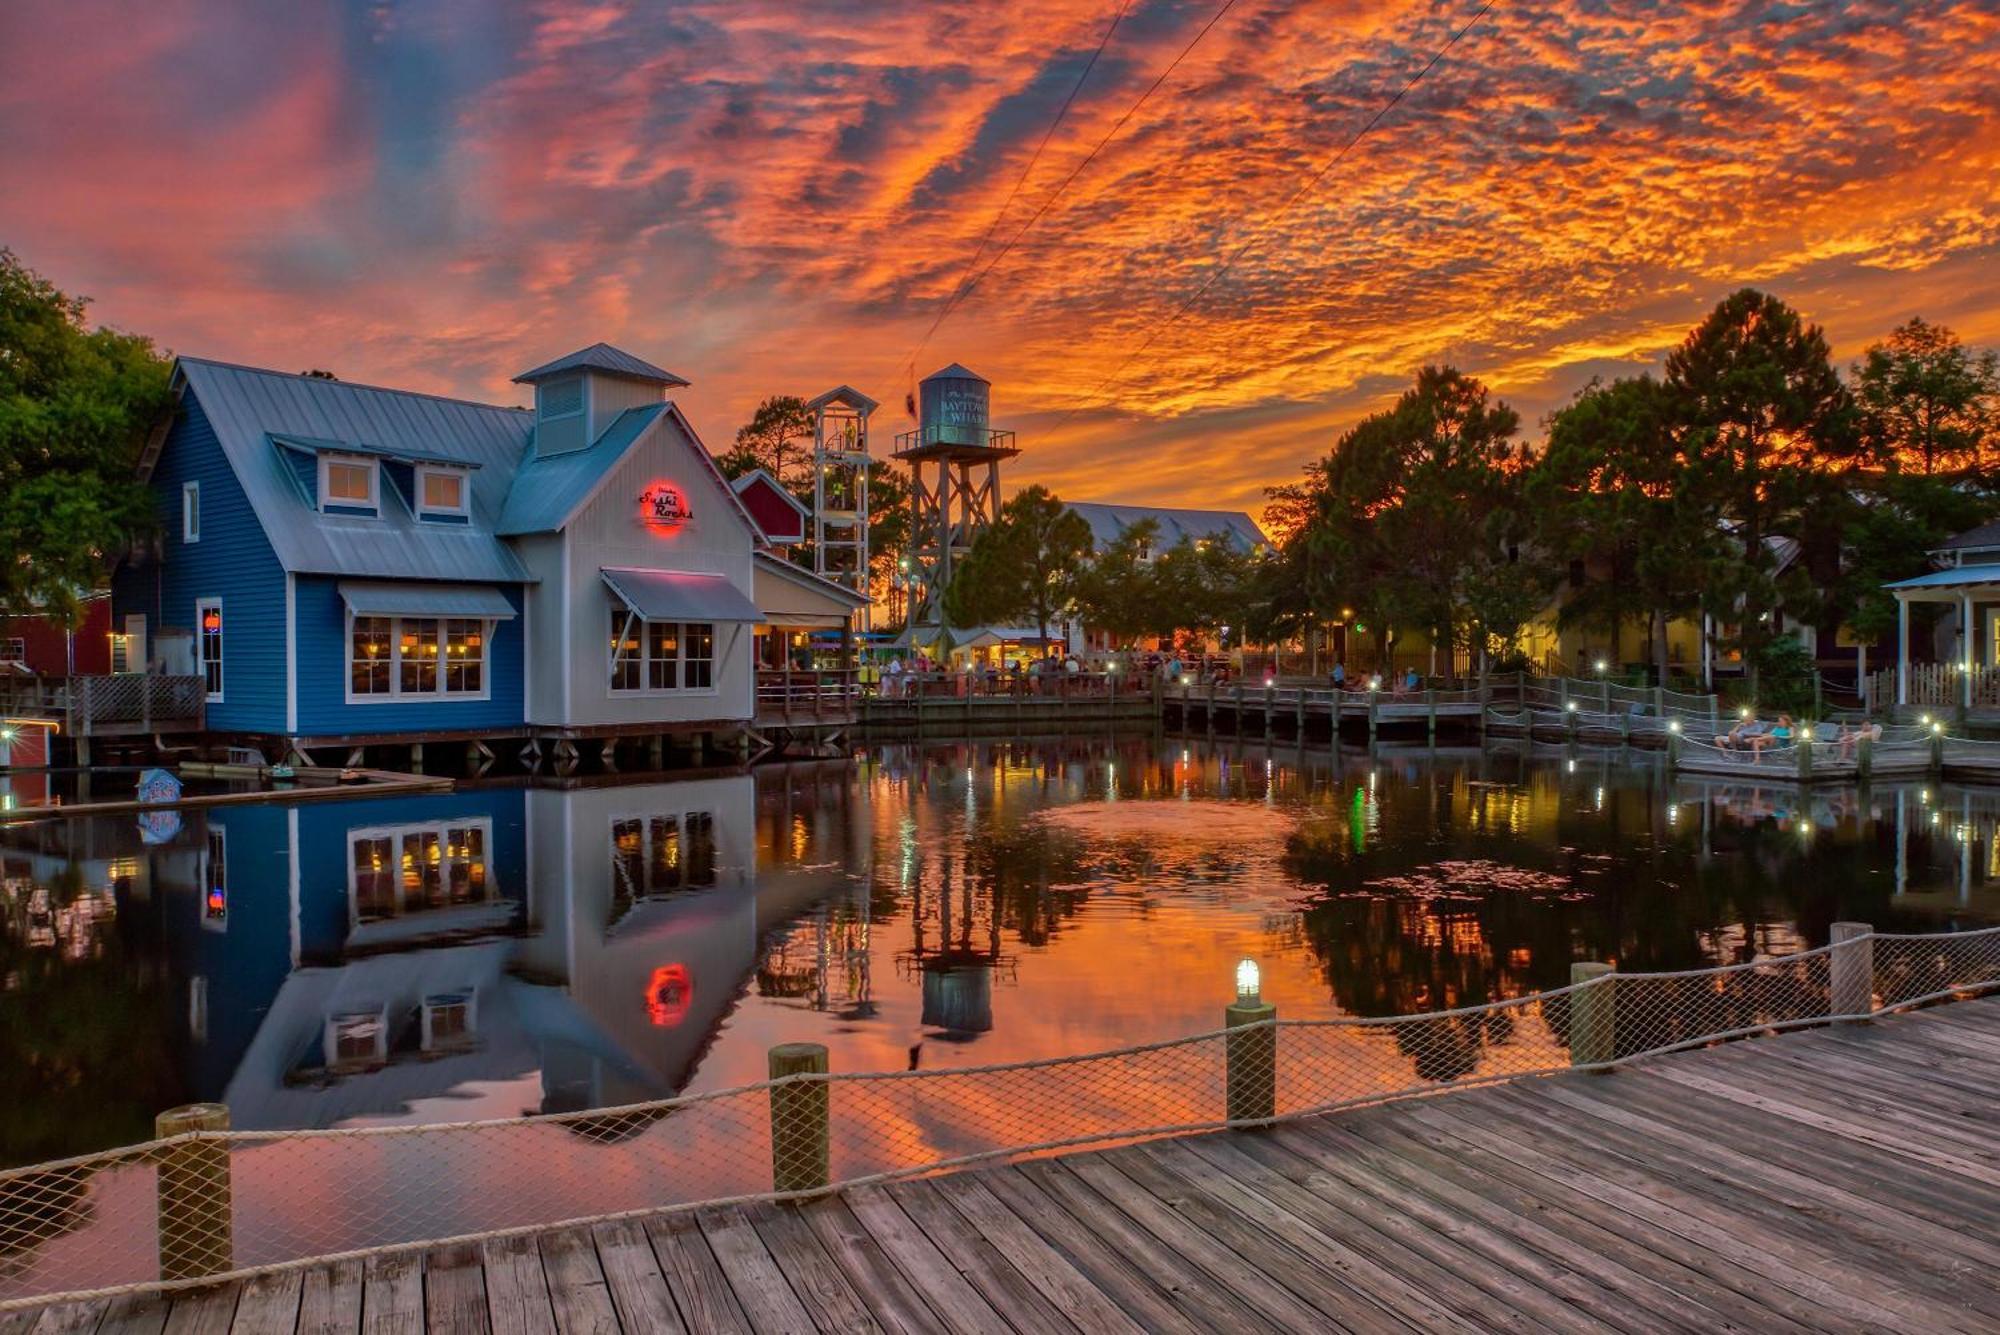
(208, 1203)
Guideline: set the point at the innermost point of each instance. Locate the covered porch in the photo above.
(1968, 677)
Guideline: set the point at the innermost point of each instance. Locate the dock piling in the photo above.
(1592, 1022)
(1250, 1060)
(800, 1140)
(1853, 961)
(196, 1227)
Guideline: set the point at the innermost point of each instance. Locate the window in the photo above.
(408, 869)
(393, 658)
(356, 1039)
(660, 655)
(658, 855)
(448, 1020)
(441, 491)
(14, 650)
(191, 512)
(346, 484)
(208, 644)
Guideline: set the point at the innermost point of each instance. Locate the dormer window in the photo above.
(442, 494)
(347, 485)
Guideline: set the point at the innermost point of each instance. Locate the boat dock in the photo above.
(1846, 1177)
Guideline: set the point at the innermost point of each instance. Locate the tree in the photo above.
(1205, 585)
(75, 406)
(1763, 423)
(1608, 491)
(767, 441)
(1119, 591)
(1025, 563)
(1929, 404)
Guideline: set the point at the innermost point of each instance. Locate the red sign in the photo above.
(663, 505)
(669, 993)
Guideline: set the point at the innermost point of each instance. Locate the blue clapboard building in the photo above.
(344, 565)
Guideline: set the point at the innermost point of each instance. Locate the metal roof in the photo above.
(607, 360)
(846, 394)
(1108, 521)
(806, 579)
(247, 407)
(390, 598)
(1952, 578)
(1986, 535)
(310, 445)
(956, 372)
(680, 595)
(547, 489)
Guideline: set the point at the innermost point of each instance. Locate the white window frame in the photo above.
(373, 505)
(681, 818)
(396, 694)
(465, 999)
(463, 510)
(14, 649)
(190, 512)
(624, 623)
(395, 834)
(201, 607)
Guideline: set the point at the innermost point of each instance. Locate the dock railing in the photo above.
(195, 1206)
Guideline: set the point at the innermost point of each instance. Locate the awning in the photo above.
(680, 595)
(395, 598)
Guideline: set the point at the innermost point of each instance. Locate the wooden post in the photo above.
(1373, 697)
(1937, 751)
(1802, 745)
(1431, 711)
(800, 1154)
(1250, 1060)
(1864, 758)
(1853, 957)
(1239, 708)
(1660, 702)
(1270, 711)
(195, 1223)
(1673, 749)
(1592, 1024)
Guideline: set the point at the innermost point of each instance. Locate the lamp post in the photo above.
(1250, 1050)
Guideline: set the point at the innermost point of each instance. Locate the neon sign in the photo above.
(669, 994)
(663, 505)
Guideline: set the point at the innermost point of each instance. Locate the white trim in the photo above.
(424, 509)
(201, 606)
(291, 654)
(645, 659)
(567, 710)
(396, 694)
(372, 507)
(292, 854)
(191, 511)
(441, 826)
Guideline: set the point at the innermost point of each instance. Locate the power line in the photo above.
(1117, 376)
(966, 289)
(1020, 181)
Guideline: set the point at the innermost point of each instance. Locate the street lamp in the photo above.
(1248, 980)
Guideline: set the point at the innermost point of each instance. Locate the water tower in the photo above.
(840, 488)
(954, 459)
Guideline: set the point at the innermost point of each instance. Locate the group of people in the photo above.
(1756, 736)
(1408, 681)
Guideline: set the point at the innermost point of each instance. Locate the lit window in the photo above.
(625, 659)
(663, 652)
(660, 655)
(440, 491)
(464, 656)
(372, 649)
(347, 484)
(417, 868)
(191, 512)
(208, 635)
(393, 658)
(698, 669)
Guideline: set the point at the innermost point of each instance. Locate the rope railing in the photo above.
(193, 1207)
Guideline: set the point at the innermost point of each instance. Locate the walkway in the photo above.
(1835, 1179)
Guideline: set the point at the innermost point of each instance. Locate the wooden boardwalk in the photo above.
(1842, 1179)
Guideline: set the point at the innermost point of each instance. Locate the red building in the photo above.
(42, 646)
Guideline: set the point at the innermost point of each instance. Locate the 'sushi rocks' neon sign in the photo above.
(664, 505)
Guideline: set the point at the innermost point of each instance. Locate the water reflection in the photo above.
(488, 953)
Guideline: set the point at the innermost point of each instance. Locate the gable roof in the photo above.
(762, 480)
(1108, 521)
(1973, 539)
(606, 360)
(251, 409)
(846, 394)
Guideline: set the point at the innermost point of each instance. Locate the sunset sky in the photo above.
(775, 198)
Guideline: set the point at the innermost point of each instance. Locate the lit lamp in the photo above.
(1674, 726)
(1601, 665)
(1937, 729)
(1250, 1050)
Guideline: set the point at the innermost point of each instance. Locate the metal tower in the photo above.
(954, 459)
(840, 489)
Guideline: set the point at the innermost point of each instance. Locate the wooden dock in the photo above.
(1839, 1179)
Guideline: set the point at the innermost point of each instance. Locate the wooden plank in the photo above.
(268, 1304)
(638, 1290)
(700, 1290)
(330, 1300)
(136, 1314)
(455, 1292)
(1860, 1090)
(577, 1290)
(70, 1318)
(517, 1291)
(997, 1279)
(1067, 1289)
(826, 1294)
(1917, 1069)
(203, 1311)
(1092, 1256)
(1297, 1217)
(759, 1284)
(890, 1298)
(955, 1301)
(392, 1295)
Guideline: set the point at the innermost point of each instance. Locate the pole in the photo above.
(1250, 1060)
(800, 1156)
(195, 1223)
(1902, 650)
(1592, 1023)
(1853, 990)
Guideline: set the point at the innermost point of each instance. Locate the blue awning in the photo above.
(395, 598)
(680, 595)
(1951, 578)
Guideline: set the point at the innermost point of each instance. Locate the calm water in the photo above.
(507, 950)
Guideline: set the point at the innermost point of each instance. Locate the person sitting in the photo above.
(1411, 680)
(1779, 735)
(1851, 738)
(1339, 675)
(1744, 736)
